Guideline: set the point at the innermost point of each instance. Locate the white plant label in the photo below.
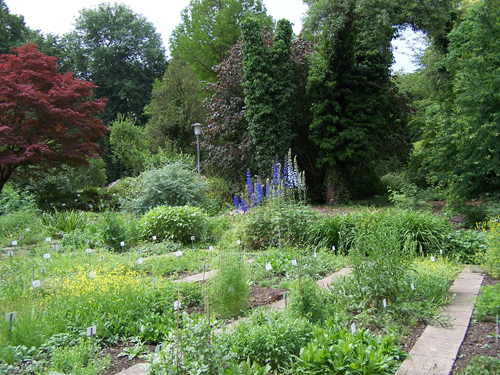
(353, 328)
(91, 331)
(54, 247)
(122, 243)
(154, 238)
(47, 239)
(333, 248)
(27, 229)
(11, 316)
(10, 253)
(46, 256)
(178, 254)
(35, 283)
(13, 243)
(315, 255)
(43, 270)
(433, 259)
(210, 248)
(88, 251)
(412, 287)
(177, 305)
(441, 251)
(78, 195)
(21, 238)
(140, 261)
(91, 275)
(385, 303)
(268, 267)
(238, 242)
(294, 262)
(89, 242)
(192, 238)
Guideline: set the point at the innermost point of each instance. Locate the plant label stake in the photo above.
(10, 317)
(13, 243)
(54, 247)
(433, 259)
(10, 254)
(101, 258)
(154, 238)
(353, 328)
(294, 263)
(47, 239)
(333, 248)
(384, 302)
(441, 252)
(192, 242)
(204, 268)
(178, 255)
(89, 242)
(46, 256)
(91, 275)
(43, 270)
(21, 238)
(412, 287)
(268, 269)
(314, 268)
(211, 248)
(122, 244)
(35, 284)
(140, 261)
(90, 333)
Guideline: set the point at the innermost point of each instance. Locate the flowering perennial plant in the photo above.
(287, 182)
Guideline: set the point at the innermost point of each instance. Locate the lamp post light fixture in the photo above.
(197, 131)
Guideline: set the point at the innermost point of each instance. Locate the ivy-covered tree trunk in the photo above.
(268, 90)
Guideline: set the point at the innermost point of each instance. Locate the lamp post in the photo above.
(197, 131)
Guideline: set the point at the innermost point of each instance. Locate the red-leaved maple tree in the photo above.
(46, 118)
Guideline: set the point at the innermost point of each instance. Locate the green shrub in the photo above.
(172, 185)
(114, 228)
(307, 301)
(473, 215)
(229, 287)
(325, 232)
(67, 221)
(337, 351)
(78, 360)
(482, 365)
(77, 239)
(491, 260)
(465, 246)
(270, 338)
(247, 368)
(11, 200)
(488, 302)
(276, 223)
(14, 225)
(174, 223)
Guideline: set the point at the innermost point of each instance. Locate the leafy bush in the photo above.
(276, 223)
(473, 215)
(14, 225)
(174, 223)
(488, 302)
(336, 351)
(491, 260)
(203, 351)
(325, 232)
(247, 368)
(229, 287)
(172, 185)
(114, 228)
(482, 365)
(77, 360)
(67, 221)
(307, 301)
(270, 338)
(465, 246)
(11, 200)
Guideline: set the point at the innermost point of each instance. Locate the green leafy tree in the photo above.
(268, 90)
(176, 105)
(13, 31)
(121, 52)
(128, 143)
(461, 131)
(208, 30)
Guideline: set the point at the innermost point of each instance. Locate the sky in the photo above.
(58, 17)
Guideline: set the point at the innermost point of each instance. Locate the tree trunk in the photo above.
(331, 187)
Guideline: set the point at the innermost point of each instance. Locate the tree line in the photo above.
(327, 94)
